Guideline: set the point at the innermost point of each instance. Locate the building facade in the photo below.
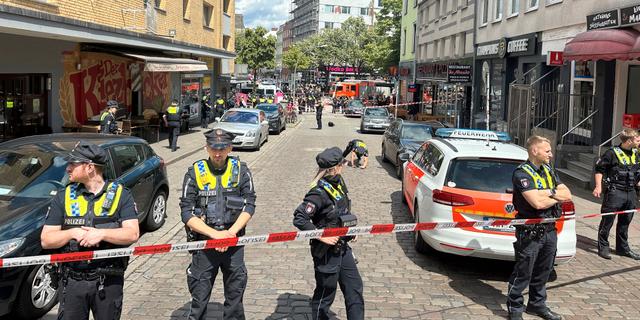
(68, 58)
(444, 58)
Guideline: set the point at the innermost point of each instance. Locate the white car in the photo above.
(250, 126)
(465, 175)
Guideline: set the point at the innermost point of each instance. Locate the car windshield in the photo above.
(376, 112)
(416, 132)
(356, 104)
(240, 117)
(268, 108)
(488, 175)
(31, 173)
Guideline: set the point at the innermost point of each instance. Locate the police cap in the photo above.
(219, 138)
(329, 158)
(86, 152)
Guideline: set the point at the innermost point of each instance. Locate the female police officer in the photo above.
(327, 205)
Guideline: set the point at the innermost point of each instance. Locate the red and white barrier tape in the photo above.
(278, 237)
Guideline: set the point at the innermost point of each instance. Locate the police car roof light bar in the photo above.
(473, 134)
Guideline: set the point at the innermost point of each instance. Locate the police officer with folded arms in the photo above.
(217, 202)
(327, 205)
(90, 214)
(108, 120)
(537, 193)
(619, 170)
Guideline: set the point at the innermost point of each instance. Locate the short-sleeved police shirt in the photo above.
(523, 182)
(127, 209)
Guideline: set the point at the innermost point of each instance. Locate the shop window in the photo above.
(633, 95)
(207, 15)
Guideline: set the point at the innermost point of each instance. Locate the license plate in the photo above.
(498, 228)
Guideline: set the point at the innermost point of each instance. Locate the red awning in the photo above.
(608, 44)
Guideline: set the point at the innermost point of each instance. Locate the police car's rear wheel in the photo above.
(36, 296)
(419, 243)
(157, 212)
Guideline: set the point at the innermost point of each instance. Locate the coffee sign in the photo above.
(630, 15)
(603, 20)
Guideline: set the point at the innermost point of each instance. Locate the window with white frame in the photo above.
(498, 13)
(514, 7)
(485, 11)
(532, 4)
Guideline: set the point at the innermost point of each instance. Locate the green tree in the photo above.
(387, 30)
(295, 59)
(256, 51)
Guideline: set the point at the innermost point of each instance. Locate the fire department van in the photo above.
(465, 175)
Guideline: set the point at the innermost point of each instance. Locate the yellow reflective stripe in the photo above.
(97, 206)
(81, 203)
(623, 157)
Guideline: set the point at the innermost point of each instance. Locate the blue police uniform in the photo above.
(218, 196)
(327, 205)
(535, 246)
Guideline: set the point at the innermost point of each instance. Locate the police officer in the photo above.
(319, 115)
(205, 111)
(217, 203)
(537, 193)
(620, 167)
(357, 148)
(327, 205)
(172, 121)
(108, 119)
(90, 213)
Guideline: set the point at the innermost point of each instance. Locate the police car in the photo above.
(465, 175)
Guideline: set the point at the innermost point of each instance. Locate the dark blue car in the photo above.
(32, 171)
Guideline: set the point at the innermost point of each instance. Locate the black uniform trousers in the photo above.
(201, 276)
(78, 297)
(617, 200)
(534, 262)
(333, 269)
(174, 132)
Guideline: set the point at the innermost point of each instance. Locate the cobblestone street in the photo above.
(398, 282)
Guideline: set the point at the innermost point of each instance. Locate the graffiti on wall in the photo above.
(85, 92)
(156, 90)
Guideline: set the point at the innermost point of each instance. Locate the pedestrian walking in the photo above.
(108, 123)
(619, 170)
(172, 121)
(327, 205)
(90, 213)
(537, 193)
(217, 203)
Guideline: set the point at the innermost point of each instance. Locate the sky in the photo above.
(266, 13)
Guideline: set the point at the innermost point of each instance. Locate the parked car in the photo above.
(404, 137)
(249, 125)
(375, 119)
(32, 171)
(464, 175)
(354, 108)
(275, 116)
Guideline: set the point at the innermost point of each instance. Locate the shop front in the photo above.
(445, 90)
(604, 62)
(500, 63)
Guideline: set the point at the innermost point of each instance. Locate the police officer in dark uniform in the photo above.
(172, 121)
(357, 148)
(90, 213)
(537, 193)
(319, 115)
(620, 168)
(327, 205)
(217, 203)
(108, 120)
